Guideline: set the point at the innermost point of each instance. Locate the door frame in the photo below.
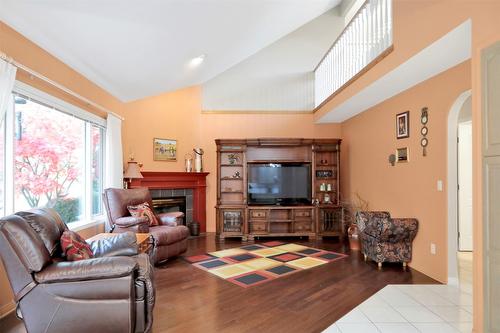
(460, 190)
(453, 186)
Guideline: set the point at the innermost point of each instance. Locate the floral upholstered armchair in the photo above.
(386, 239)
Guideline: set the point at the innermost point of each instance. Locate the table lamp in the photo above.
(132, 172)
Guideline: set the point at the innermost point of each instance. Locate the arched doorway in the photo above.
(456, 116)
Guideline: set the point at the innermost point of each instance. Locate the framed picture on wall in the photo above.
(164, 149)
(403, 125)
(402, 155)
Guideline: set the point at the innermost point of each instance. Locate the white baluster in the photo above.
(365, 38)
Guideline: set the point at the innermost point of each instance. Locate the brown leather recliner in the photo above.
(169, 238)
(112, 292)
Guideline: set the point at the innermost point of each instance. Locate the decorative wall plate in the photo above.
(424, 142)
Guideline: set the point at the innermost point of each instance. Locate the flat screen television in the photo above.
(279, 183)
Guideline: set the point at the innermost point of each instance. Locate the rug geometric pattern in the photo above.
(252, 265)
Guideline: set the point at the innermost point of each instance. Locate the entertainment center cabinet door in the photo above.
(232, 222)
(331, 222)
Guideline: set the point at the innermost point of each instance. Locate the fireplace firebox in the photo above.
(170, 204)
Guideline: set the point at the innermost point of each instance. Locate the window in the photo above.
(57, 158)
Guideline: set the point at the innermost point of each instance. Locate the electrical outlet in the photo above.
(440, 185)
(433, 248)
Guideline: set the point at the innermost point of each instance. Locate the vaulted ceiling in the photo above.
(135, 49)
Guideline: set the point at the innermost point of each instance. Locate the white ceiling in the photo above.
(445, 53)
(135, 49)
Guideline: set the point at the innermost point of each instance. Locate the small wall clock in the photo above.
(424, 118)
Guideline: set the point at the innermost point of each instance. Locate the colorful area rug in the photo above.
(252, 265)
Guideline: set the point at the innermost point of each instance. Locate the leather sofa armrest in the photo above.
(167, 220)
(130, 221)
(85, 270)
(121, 244)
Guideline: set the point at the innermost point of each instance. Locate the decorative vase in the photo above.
(198, 161)
(194, 228)
(353, 233)
(188, 160)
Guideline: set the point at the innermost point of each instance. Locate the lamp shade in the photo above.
(132, 171)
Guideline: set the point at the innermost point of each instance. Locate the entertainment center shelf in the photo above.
(278, 187)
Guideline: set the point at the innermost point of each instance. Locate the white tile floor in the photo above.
(410, 308)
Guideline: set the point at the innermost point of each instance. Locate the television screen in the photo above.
(279, 183)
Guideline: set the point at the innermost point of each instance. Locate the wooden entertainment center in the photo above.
(238, 216)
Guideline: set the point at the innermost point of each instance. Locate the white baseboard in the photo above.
(7, 309)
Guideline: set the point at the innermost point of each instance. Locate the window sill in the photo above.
(81, 225)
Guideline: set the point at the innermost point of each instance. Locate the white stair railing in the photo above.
(365, 38)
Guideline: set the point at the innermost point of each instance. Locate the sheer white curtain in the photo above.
(7, 78)
(114, 155)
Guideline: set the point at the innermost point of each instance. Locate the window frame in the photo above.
(90, 120)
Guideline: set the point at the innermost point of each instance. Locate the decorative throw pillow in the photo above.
(143, 209)
(74, 247)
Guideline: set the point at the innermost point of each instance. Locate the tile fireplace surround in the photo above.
(190, 184)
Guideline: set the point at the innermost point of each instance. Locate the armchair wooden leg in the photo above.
(405, 265)
(379, 265)
(366, 257)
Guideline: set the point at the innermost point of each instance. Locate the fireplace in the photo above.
(191, 185)
(171, 204)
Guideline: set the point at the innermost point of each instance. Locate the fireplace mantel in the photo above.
(179, 180)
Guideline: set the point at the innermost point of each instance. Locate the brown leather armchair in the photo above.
(112, 292)
(169, 238)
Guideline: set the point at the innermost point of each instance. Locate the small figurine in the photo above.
(326, 199)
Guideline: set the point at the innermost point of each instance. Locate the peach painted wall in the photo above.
(407, 189)
(177, 115)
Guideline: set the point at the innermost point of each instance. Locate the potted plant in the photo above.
(352, 207)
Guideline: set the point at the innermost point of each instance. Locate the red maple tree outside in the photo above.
(47, 153)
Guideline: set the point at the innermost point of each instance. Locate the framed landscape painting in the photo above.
(164, 149)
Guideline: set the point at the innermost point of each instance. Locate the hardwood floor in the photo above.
(192, 300)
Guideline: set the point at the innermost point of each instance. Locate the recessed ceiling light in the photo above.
(197, 61)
